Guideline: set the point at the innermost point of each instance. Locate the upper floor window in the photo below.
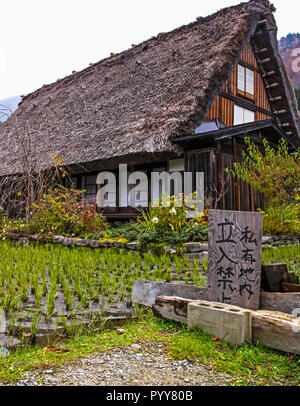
(242, 115)
(245, 81)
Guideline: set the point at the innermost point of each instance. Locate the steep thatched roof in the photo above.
(132, 103)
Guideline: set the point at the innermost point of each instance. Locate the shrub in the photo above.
(63, 211)
(160, 216)
(130, 232)
(188, 233)
(272, 219)
(275, 173)
(170, 224)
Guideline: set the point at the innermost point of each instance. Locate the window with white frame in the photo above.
(242, 115)
(245, 81)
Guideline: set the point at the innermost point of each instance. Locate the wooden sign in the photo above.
(234, 257)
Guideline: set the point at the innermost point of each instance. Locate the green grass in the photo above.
(91, 281)
(248, 365)
(289, 254)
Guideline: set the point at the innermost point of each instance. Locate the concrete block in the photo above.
(231, 324)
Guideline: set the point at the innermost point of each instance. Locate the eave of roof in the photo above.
(233, 131)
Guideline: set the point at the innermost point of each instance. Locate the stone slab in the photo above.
(145, 292)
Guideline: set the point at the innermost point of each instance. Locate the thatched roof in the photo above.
(130, 104)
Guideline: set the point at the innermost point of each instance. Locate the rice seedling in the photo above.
(82, 283)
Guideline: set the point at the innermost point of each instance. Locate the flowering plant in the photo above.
(64, 211)
(170, 212)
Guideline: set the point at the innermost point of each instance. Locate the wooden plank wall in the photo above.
(239, 195)
(236, 194)
(223, 108)
(203, 161)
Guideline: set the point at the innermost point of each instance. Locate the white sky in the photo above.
(44, 40)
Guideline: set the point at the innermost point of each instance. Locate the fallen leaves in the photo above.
(290, 357)
(56, 349)
(208, 367)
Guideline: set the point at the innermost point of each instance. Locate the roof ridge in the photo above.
(160, 36)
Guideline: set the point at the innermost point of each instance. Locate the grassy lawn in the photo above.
(249, 364)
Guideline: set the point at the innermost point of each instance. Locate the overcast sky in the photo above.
(44, 40)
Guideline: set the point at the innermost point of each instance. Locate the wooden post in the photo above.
(234, 258)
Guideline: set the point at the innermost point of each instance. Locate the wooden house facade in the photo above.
(182, 101)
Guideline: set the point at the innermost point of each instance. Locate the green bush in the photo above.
(63, 211)
(130, 232)
(188, 233)
(272, 219)
(163, 224)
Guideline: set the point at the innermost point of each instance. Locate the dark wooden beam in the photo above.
(246, 105)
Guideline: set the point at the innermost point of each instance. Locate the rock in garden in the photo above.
(198, 256)
(68, 242)
(9, 342)
(118, 244)
(106, 244)
(133, 246)
(94, 244)
(82, 243)
(23, 241)
(58, 239)
(135, 347)
(11, 236)
(267, 240)
(196, 247)
(168, 248)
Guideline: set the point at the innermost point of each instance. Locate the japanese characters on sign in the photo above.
(234, 263)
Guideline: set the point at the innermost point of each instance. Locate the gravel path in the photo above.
(138, 365)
